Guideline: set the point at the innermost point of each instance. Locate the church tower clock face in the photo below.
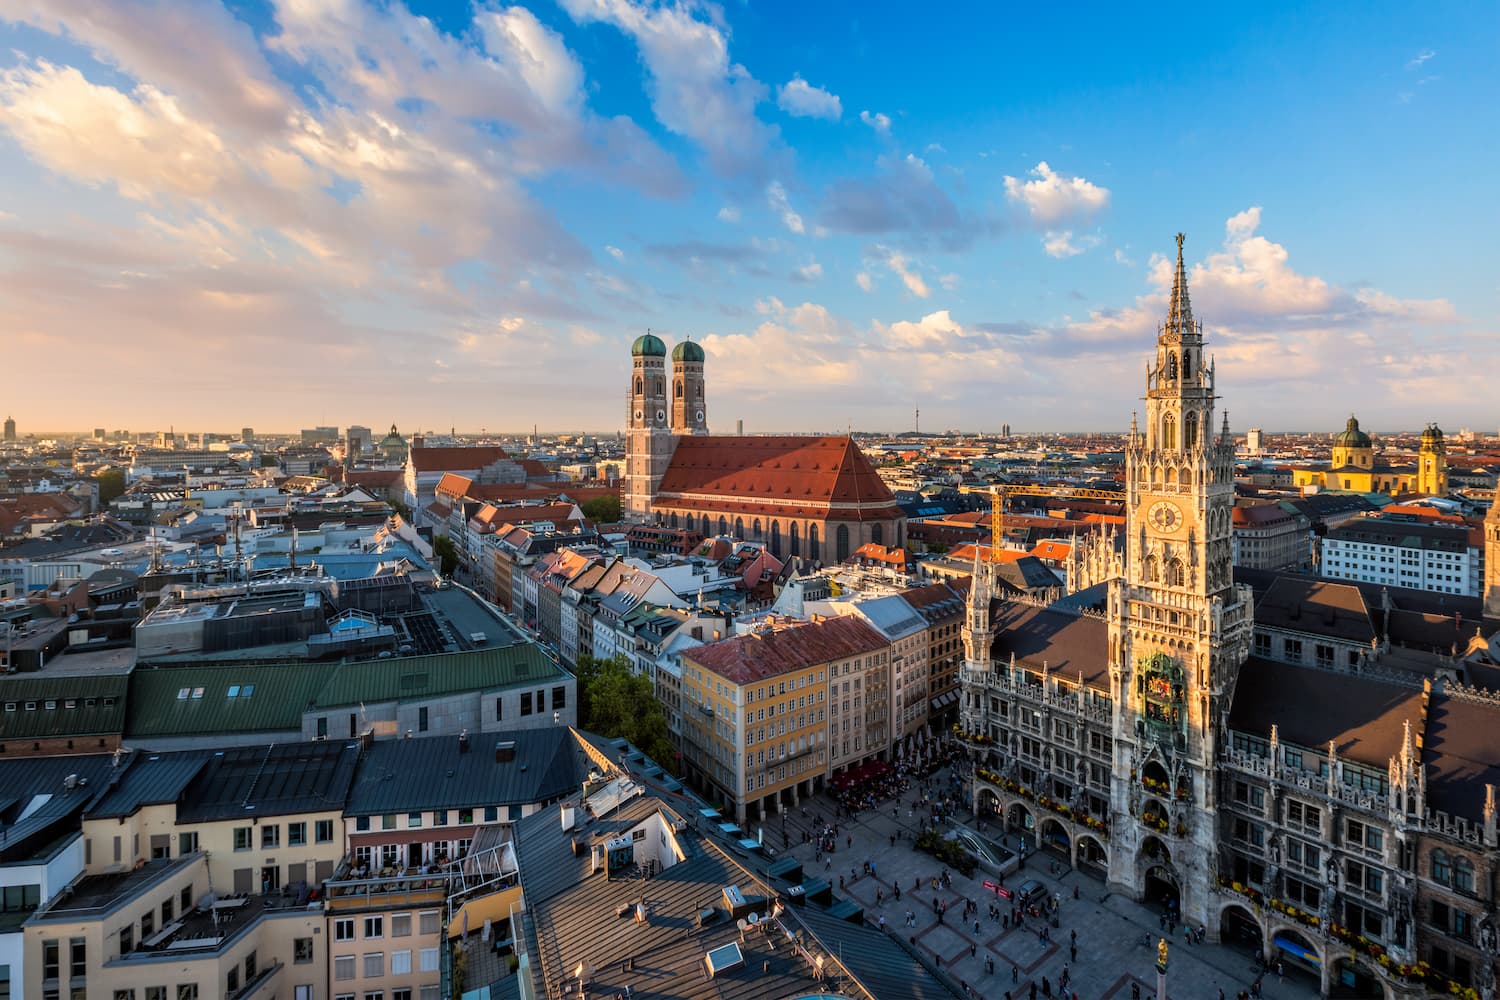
(1164, 516)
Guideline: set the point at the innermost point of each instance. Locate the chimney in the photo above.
(463, 741)
(569, 816)
(505, 751)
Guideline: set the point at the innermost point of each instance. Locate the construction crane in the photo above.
(1063, 492)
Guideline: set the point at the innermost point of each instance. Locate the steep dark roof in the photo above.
(1067, 643)
(1305, 604)
(1309, 707)
(879, 963)
(271, 781)
(149, 779)
(1459, 752)
(418, 775)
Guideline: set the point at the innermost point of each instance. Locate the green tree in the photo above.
(603, 510)
(446, 554)
(614, 701)
(400, 507)
(111, 484)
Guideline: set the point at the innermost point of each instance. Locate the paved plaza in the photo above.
(1110, 954)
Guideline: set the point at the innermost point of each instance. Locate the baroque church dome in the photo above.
(1352, 436)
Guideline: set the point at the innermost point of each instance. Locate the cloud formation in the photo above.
(881, 123)
(801, 99)
(1050, 197)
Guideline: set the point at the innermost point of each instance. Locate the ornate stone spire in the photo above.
(1180, 310)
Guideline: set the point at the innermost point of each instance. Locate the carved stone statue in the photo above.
(1487, 934)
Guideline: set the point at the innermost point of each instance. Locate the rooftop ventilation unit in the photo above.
(505, 751)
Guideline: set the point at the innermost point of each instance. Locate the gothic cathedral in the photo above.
(1179, 628)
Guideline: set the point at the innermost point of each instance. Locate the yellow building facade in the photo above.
(1353, 466)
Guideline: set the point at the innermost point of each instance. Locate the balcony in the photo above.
(355, 886)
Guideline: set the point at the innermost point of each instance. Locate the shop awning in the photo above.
(1291, 947)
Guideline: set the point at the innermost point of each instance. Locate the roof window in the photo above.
(182, 693)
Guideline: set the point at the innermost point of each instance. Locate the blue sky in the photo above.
(313, 211)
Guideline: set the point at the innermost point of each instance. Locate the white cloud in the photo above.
(695, 90)
(1121, 258)
(1062, 244)
(810, 272)
(1420, 58)
(1050, 197)
(615, 252)
(729, 214)
(879, 122)
(899, 267)
(864, 281)
(777, 199)
(950, 282)
(801, 99)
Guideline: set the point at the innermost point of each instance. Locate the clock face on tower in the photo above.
(1164, 516)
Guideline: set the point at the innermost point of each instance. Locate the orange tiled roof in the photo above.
(749, 658)
(827, 475)
(987, 553)
(447, 459)
(1050, 548)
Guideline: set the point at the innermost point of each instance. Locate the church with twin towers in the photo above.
(811, 497)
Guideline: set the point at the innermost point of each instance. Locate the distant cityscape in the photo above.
(306, 708)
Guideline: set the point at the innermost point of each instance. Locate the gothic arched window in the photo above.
(1169, 432)
(1172, 367)
(1187, 477)
(796, 542)
(1152, 572)
(1187, 362)
(1175, 574)
(723, 525)
(679, 390)
(672, 520)
(739, 527)
(776, 539)
(1190, 431)
(1442, 869)
(877, 534)
(841, 542)
(755, 531)
(640, 386)
(1463, 874)
(812, 543)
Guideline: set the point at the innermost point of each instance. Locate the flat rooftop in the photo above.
(95, 895)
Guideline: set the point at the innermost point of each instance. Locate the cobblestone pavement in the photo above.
(1107, 957)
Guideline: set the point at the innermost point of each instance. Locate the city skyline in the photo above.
(466, 220)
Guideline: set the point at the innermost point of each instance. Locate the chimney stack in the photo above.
(463, 741)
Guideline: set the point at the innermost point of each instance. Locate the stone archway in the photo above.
(988, 803)
(1161, 887)
(1055, 839)
(1239, 928)
(1303, 958)
(1090, 855)
(1019, 820)
(1351, 977)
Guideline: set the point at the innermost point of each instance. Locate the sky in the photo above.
(300, 212)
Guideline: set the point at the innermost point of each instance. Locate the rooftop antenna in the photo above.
(918, 421)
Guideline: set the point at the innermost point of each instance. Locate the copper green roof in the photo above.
(269, 697)
(1352, 436)
(38, 706)
(416, 677)
(185, 701)
(687, 351)
(650, 345)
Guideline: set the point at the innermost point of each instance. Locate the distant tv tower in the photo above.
(917, 420)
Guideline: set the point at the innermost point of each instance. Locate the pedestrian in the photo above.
(1073, 936)
(1015, 973)
(1135, 991)
(1073, 952)
(841, 882)
(1280, 970)
(973, 949)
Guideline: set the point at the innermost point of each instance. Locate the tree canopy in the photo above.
(111, 484)
(614, 701)
(602, 510)
(447, 555)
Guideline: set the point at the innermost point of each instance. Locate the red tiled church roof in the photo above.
(791, 476)
(456, 459)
